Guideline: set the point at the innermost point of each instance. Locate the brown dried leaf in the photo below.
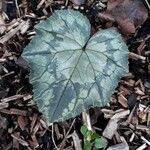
(127, 25)
(128, 14)
(106, 16)
(112, 4)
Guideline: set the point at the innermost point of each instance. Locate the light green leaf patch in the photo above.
(71, 71)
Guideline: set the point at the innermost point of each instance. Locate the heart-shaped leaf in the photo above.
(71, 72)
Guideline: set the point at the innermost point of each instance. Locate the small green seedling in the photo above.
(71, 70)
(92, 140)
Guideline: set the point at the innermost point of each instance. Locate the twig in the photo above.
(11, 98)
(131, 114)
(147, 4)
(136, 56)
(66, 3)
(8, 74)
(53, 137)
(40, 4)
(16, 3)
(132, 137)
(62, 143)
(145, 140)
(142, 147)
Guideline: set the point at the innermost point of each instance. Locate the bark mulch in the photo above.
(124, 122)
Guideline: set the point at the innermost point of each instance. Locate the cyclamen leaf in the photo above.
(71, 72)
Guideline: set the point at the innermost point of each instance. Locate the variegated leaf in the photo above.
(71, 72)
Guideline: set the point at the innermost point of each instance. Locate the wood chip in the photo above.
(131, 114)
(108, 111)
(21, 141)
(40, 4)
(14, 111)
(35, 129)
(117, 137)
(148, 119)
(3, 105)
(3, 123)
(121, 114)
(27, 97)
(143, 114)
(129, 83)
(142, 127)
(145, 140)
(21, 122)
(118, 147)
(142, 147)
(124, 90)
(34, 143)
(111, 128)
(121, 146)
(139, 92)
(132, 137)
(11, 33)
(58, 135)
(11, 98)
(44, 124)
(16, 142)
(123, 101)
(2, 24)
(34, 119)
(76, 141)
(8, 146)
(136, 57)
(78, 2)
(25, 27)
(14, 23)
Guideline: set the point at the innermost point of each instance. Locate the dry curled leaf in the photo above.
(128, 14)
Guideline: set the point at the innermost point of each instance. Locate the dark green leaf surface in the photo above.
(71, 72)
